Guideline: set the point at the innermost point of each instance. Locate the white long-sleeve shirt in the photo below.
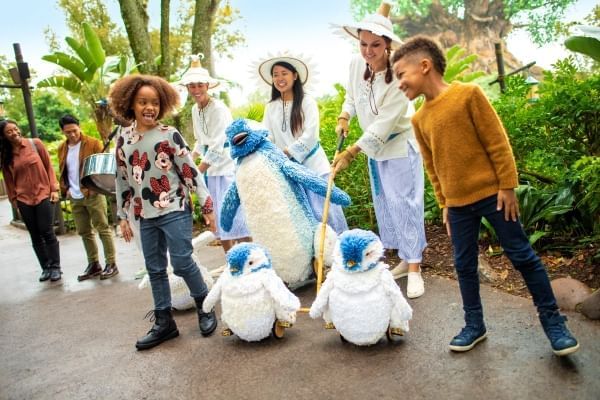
(211, 142)
(385, 134)
(304, 147)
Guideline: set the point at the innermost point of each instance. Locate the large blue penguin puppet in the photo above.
(271, 189)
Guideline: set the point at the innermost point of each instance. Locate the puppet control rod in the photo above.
(324, 221)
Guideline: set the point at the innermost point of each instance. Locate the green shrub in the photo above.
(355, 179)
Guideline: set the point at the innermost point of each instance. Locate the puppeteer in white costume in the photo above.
(292, 119)
(210, 118)
(359, 297)
(394, 159)
(254, 300)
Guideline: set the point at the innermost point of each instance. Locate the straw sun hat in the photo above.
(197, 74)
(265, 66)
(377, 23)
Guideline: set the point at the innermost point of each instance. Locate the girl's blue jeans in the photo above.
(172, 232)
(464, 225)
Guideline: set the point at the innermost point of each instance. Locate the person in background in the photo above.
(471, 166)
(395, 164)
(88, 207)
(156, 173)
(32, 188)
(292, 118)
(210, 118)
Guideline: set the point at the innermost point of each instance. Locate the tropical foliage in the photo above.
(90, 73)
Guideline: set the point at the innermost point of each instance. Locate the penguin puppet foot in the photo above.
(394, 334)
(279, 328)
(329, 325)
(226, 332)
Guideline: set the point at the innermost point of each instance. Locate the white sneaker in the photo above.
(415, 287)
(140, 273)
(400, 270)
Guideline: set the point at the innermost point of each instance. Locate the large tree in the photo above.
(202, 27)
(473, 24)
(135, 17)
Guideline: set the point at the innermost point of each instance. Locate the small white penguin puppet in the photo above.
(253, 298)
(359, 295)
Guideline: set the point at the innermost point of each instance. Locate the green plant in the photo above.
(90, 74)
(590, 46)
(539, 208)
(355, 179)
(584, 181)
(457, 65)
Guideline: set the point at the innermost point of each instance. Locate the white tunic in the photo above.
(304, 146)
(383, 113)
(209, 126)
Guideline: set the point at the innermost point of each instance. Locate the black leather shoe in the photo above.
(164, 329)
(55, 274)
(93, 269)
(206, 321)
(45, 275)
(109, 271)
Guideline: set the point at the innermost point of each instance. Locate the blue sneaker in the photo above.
(561, 339)
(468, 337)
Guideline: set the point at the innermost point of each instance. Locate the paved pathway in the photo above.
(75, 340)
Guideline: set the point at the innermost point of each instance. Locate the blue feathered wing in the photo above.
(311, 181)
(231, 203)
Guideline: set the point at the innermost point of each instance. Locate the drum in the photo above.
(99, 173)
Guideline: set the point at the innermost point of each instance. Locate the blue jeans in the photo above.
(172, 232)
(464, 225)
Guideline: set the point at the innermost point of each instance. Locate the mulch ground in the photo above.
(438, 260)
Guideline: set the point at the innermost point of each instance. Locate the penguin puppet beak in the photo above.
(239, 138)
(351, 265)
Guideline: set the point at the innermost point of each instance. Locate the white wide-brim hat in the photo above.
(197, 74)
(377, 24)
(265, 67)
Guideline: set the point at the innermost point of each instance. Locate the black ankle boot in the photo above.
(164, 328)
(206, 321)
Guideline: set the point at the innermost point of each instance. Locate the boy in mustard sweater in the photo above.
(471, 166)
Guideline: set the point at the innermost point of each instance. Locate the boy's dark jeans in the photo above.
(464, 224)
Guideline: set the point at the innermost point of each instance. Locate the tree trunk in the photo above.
(103, 121)
(164, 69)
(202, 30)
(135, 19)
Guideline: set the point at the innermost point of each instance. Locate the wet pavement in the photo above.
(75, 340)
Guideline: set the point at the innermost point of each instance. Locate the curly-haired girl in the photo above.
(151, 160)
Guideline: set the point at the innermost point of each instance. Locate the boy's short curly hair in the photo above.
(424, 46)
(123, 93)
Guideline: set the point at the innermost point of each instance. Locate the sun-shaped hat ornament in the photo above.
(301, 63)
(378, 23)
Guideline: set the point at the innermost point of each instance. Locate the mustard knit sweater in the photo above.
(465, 149)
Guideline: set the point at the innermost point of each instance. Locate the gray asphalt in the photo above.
(75, 340)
